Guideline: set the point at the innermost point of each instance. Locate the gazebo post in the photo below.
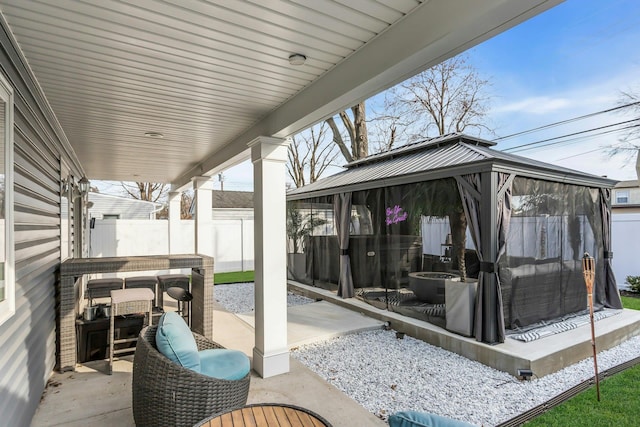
(488, 224)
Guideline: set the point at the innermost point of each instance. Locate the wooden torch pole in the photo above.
(589, 271)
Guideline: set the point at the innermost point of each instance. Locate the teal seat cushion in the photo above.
(224, 364)
(423, 419)
(175, 341)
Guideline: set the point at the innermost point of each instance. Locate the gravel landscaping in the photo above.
(385, 374)
(239, 297)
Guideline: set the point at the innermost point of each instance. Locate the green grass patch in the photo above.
(619, 405)
(233, 277)
(631, 302)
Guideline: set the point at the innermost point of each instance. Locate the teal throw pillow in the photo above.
(423, 419)
(175, 340)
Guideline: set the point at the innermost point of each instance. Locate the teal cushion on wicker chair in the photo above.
(423, 419)
(175, 341)
(224, 364)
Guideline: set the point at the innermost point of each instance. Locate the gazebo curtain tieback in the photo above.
(488, 267)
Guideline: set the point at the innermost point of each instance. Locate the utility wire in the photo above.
(586, 152)
(550, 125)
(531, 145)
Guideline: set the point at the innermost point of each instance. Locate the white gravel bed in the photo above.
(238, 297)
(385, 374)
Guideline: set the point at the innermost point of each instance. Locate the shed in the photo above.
(397, 229)
(105, 206)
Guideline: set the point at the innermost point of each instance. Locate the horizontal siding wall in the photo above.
(28, 339)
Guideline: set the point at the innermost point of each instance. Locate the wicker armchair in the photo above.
(166, 394)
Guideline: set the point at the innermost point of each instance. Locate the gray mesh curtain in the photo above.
(504, 199)
(552, 225)
(469, 187)
(610, 287)
(342, 216)
(471, 197)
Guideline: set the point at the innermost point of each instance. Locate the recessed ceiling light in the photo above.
(297, 59)
(153, 135)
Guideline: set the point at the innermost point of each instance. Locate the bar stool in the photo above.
(123, 302)
(150, 282)
(183, 297)
(166, 281)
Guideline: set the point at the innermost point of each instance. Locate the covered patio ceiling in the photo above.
(211, 76)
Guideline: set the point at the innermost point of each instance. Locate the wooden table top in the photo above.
(264, 415)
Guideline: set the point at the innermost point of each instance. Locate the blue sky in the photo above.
(575, 59)
(572, 60)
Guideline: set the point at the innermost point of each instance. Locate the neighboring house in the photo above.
(625, 197)
(625, 209)
(229, 205)
(104, 206)
(232, 204)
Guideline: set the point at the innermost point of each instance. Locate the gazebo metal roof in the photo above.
(435, 158)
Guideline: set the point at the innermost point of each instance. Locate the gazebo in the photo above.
(423, 227)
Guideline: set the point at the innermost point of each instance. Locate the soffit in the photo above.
(213, 75)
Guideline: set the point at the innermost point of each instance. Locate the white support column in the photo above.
(271, 353)
(174, 221)
(202, 186)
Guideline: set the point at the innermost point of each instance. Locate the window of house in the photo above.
(622, 197)
(111, 216)
(7, 286)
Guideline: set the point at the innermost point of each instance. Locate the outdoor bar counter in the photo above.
(70, 285)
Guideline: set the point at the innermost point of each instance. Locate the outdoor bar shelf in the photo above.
(70, 284)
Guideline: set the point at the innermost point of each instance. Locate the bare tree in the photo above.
(309, 155)
(148, 191)
(356, 130)
(449, 97)
(390, 125)
(629, 145)
(186, 199)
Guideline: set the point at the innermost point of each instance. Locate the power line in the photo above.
(550, 125)
(535, 144)
(586, 152)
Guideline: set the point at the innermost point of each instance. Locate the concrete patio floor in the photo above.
(90, 397)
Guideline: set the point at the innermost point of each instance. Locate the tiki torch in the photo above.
(589, 272)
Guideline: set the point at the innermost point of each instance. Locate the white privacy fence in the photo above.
(625, 242)
(232, 240)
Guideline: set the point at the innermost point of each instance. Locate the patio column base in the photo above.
(272, 364)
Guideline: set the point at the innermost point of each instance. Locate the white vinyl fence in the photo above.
(232, 238)
(233, 242)
(625, 242)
